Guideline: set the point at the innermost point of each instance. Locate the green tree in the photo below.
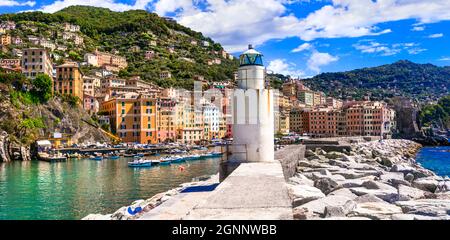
(42, 87)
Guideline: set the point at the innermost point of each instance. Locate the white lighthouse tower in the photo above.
(253, 112)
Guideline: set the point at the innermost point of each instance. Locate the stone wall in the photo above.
(289, 157)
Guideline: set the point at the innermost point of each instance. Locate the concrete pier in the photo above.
(253, 191)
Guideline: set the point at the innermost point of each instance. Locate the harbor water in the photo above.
(437, 159)
(76, 188)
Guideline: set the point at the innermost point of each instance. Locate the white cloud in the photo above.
(111, 4)
(10, 3)
(235, 23)
(318, 59)
(375, 47)
(281, 66)
(445, 59)
(383, 49)
(418, 28)
(436, 35)
(301, 48)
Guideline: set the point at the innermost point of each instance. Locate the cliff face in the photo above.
(21, 124)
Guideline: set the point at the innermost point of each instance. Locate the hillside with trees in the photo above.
(180, 50)
(425, 82)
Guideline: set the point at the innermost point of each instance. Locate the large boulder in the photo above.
(302, 194)
(326, 184)
(301, 179)
(381, 190)
(406, 193)
(367, 198)
(317, 207)
(375, 210)
(350, 183)
(334, 155)
(343, 192)
(426, 207)
(427, 184)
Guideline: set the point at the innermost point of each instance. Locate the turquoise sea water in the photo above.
(73, 189)
(437, 159)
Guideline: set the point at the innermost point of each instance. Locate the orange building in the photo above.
(5, 39)
(321, 122)
(69, 80)
(133, 118)
(369, 119)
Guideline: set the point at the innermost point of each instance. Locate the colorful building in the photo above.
(69, 80)
(166, 119)
(36, 61)
(133, 118)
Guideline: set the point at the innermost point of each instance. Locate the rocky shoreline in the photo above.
(375, 180)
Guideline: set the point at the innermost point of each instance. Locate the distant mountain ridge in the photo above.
(402, 78)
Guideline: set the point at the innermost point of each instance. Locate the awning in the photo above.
(44, 143)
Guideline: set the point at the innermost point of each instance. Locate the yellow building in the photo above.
(69, 80)
(133, 118)
(5, 39)
(316, 98)
(166, 120)
(189, 123)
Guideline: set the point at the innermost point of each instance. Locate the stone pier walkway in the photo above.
(253, 191)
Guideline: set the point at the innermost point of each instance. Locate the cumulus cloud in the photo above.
(281, 66)
(301, 48)
(418, 28)
(111, 4)
(235, 23)
(383, 49)
(10, 3)
(436, 35)
(318, 59)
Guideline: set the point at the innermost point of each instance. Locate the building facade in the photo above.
(36, 61)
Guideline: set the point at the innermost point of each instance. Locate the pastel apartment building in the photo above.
(69, 80)
(5, 39)
(132, 117)
(166, 119)
(36, 61)
(107, 60)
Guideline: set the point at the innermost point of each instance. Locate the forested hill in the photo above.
(402, 78)
(178, 49)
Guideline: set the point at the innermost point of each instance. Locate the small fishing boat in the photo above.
(193, 157)
(128, 155)
(178, 159)
(51, 158)
(74, 155)
(140, 163)
(96, 158)
(114, 157)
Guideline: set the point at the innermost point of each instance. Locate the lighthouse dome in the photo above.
(251, 57)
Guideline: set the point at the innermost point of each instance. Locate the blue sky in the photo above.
(302, 37)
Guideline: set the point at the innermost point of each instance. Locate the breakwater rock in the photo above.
(375, 180)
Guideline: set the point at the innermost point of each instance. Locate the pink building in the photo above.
(166, 120)
(90, 104)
